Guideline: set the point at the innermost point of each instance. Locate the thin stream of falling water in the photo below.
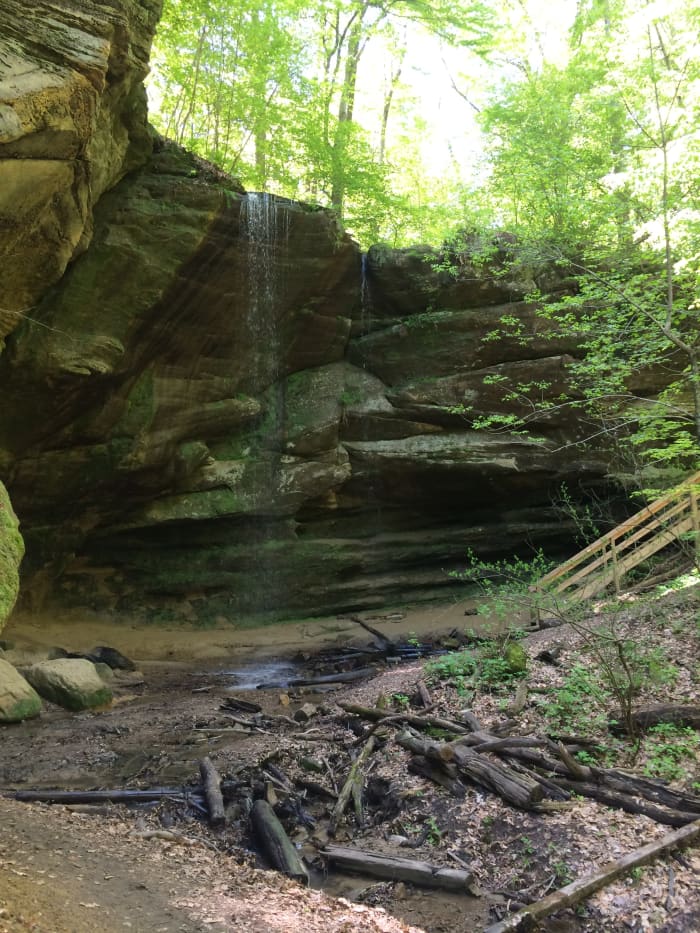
(265, 224)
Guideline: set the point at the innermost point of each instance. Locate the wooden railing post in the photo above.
(615, 566)
(693, 495)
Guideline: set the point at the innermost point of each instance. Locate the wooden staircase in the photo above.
(608, 559)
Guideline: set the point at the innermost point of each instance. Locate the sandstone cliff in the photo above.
(216, 408)
(72, 123)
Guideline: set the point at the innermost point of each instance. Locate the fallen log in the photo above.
(418, 721)
(618, 785)
(521, 790)
(242, 706)
(442, 775)
(517, 704)
(347, 789)
(312, 787)
(276, 843)
(116, 795)
(623, 801)
(212, 792)
(344, 677)
(424, 695)
(398, 869)
(644, 719)
(572, 893)
(648, 789)
(385, 642)
(551, 790)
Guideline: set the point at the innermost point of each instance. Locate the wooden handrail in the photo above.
(673, 514)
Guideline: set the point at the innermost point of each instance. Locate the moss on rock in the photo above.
(11, 553)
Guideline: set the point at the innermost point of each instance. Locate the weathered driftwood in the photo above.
(212, 792)
(644, 719)
(583, 887)
(354, 775)
(275, 842)
(418, 721)
(520, 790)
(398, 869)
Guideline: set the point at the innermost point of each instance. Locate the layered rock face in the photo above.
(72, 122)
(220, 409)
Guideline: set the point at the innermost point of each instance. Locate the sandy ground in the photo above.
(179, 643)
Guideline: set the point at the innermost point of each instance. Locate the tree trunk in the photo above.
(346, 108)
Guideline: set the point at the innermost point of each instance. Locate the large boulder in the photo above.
(11, 551)
(18, 700)
(69, 682)
(72, 123)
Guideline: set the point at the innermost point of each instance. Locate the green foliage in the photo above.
(267, 89)
(434, 832)
(456, 666)
(497, 663)
(511, 576)
(671, 751)
(594, 167)
(571, 706)
(400, 700)
(586, 522)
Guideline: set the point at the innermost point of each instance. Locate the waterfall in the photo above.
(265, 227)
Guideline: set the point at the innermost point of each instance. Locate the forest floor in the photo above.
(69, 869)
